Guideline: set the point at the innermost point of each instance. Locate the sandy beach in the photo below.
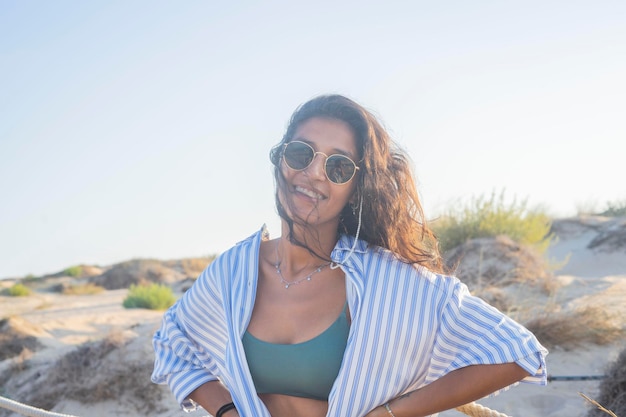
(594, 275)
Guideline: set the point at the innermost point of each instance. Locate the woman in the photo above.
(348, 312)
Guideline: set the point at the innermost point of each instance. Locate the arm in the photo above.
(180, 361)
(192, 346)
(457, 388)
(211, 396)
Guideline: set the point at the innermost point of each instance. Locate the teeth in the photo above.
(309, 193)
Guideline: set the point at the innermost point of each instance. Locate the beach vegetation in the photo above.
(18, 290)
(95, 372)
(30, 278)
(612, 397)
(152, 297)
(493, 216)
(614, 209)
(73, 271)
(488, 264)
(571, 329)
(192, 267)
(83, 289)
(146, 271)
(587, 207)
(16, 341)
(598, 406)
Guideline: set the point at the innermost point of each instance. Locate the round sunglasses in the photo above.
(339, 169)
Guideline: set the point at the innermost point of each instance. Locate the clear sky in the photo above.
(142, 128)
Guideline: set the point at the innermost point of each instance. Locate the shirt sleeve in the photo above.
(198, 339)
(472, 332)
(188, 343)
(176, 361)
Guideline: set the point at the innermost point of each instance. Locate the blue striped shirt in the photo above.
(409, 327)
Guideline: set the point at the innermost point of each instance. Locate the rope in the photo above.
(576, 378)
(27, 410)
(471, 409)
(477, 410)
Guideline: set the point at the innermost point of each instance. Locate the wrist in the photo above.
(388, 412)
(227, 410)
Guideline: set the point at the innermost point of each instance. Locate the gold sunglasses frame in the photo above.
(325, 161)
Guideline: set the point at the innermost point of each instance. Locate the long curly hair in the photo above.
(392, 215)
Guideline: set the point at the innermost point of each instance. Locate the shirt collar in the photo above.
(346, 248)
(346, 242)
(340, 252)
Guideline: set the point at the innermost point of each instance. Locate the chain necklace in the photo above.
(286, 283)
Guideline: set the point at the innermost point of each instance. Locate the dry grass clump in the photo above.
(573, 226)
(615, 208)
(598, 405)
(20, 362)
(80, 271)
(190, 267)
(146, 271)
(613, 388)
(94, 373)
(75, 271)
(499, 261)
(571, 329)
(136, 272)
(87, 288)
(610, 239)
(17, 336)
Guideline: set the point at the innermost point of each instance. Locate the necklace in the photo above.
(286, 283)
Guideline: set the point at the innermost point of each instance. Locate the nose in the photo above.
(316, 168)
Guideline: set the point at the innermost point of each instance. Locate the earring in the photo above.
(353, 207)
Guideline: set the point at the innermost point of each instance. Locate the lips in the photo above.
(309, 193)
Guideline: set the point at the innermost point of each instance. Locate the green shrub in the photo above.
(482, 217)
(615, 209)
(18, 290)
(74, 271)
(30, 278)
(153, 297)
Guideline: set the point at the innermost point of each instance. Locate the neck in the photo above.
(295, 258)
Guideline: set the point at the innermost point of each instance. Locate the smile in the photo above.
(309, 193)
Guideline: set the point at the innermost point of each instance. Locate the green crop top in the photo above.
(306, 369)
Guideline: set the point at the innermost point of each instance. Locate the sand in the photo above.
(61, 323)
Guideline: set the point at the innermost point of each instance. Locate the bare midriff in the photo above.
(287, 406)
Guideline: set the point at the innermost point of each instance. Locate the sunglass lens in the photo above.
(339, 169)
(298, 155)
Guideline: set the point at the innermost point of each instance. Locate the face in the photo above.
(308, 195)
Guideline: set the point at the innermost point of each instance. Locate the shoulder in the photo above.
(393, 266)
(379, 268)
